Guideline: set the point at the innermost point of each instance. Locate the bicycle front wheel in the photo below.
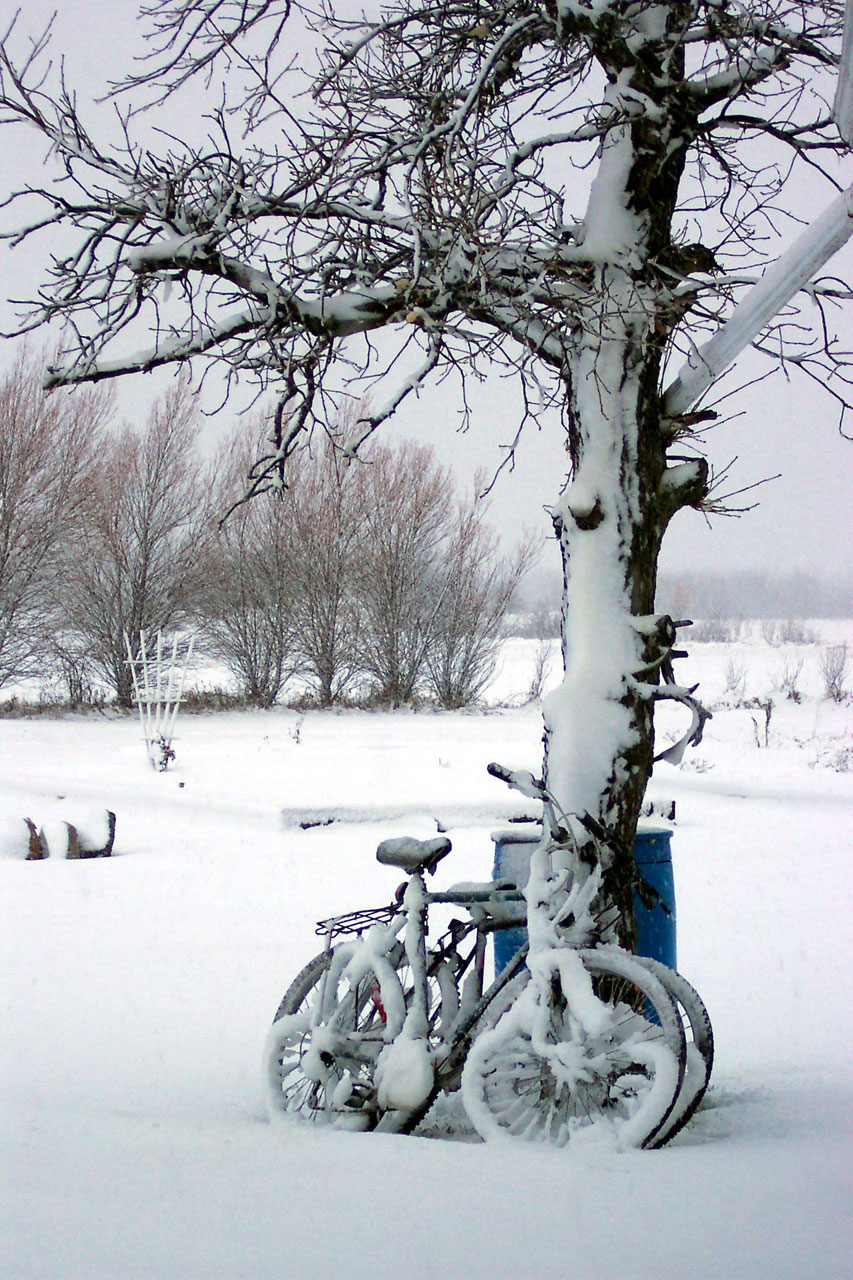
(601, 1057)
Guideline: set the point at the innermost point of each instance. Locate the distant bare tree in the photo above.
(326, 497)
(47, 445)
(542, 657)
(134, 562)
(476, 585)
(248, 600)
(349, 574)
(408, 514)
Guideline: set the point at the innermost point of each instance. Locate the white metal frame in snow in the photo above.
(158, 685)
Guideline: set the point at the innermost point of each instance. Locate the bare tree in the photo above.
(355, 572)
(248, 598)
(247, 613)
(475, 588)
(434, 589)
(134, 561)
(327, 514)
(425, 192)
(47, 447)
(407, 513)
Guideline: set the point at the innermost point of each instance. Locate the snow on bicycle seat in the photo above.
(410, 854)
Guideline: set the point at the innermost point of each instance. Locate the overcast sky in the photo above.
(805, 518)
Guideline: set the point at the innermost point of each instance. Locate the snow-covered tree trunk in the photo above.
(610, 521)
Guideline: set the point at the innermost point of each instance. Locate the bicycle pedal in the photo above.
(361, 1096)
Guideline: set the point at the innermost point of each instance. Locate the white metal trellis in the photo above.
(158, 676)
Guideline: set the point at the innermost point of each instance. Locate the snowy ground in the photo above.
(137, 992)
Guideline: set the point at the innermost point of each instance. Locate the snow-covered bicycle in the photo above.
(580, 1041)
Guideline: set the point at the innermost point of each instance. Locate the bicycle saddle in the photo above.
(413, 855)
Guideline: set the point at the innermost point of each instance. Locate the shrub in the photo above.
(835, 667)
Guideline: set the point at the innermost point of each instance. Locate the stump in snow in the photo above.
(89, 839)
(92, 839)
(56, 838)
(36, 848)
(73, 850)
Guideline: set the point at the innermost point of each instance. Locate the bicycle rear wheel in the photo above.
(321, 1050)
(601, 1058)
(699, 1038)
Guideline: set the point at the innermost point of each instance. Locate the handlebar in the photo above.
(520, 780)
(535, 789)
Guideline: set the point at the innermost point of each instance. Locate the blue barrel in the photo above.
(655, 923)
(513, 850)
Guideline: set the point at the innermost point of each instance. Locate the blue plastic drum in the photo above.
(656, 923)
(653, 855)
(513, 850)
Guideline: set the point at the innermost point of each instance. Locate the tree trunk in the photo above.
(325, 685)
(599, 727)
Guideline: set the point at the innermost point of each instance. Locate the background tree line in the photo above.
(735, 595)
(372, 579)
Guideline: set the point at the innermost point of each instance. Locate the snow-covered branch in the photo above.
(794, 270)
(453, 195)
(373, 418)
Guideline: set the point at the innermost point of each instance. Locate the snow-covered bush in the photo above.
(787, 681)
(835, 668)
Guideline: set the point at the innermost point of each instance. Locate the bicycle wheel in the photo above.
(601, 1059)
(322, 1056)
(699, 1037)
(321, 1050)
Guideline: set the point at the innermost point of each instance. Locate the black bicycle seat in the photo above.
(412, 855)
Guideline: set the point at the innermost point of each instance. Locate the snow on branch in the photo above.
(371, 421)
(842, 107)
(793, 271)
(429, 182)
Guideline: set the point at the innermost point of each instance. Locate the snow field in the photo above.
(137, 992)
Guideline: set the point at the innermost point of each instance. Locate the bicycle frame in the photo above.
(378, 933)
(409, 915)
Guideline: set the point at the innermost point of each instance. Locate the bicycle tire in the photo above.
(301, 984)
(699, 1037)
(317, 1094)
(576, 1069)
(296, 1083)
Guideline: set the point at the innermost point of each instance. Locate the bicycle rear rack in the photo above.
(354, 921)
